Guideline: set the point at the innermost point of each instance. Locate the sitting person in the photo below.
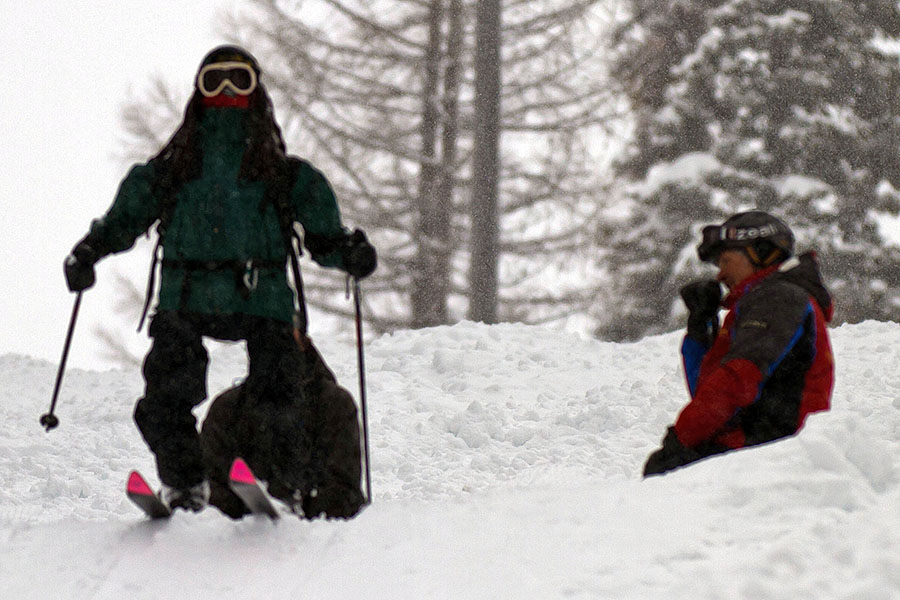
(770, 365)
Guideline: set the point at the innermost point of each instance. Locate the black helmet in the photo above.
(230, 53)
(765, 238)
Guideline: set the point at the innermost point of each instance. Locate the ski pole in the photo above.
(362, 389)
(49, 420)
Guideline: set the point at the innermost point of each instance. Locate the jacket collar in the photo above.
(746, 285)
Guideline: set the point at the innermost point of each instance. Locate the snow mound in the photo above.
(506, 464)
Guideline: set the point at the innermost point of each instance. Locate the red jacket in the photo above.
(771, 364)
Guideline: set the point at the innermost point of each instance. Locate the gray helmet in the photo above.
(765, 238)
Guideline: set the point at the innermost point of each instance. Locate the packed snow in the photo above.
(506, 463)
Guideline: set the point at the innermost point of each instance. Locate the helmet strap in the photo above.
(759, 262)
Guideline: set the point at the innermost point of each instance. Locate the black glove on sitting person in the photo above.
(671, 454)
(702, 299)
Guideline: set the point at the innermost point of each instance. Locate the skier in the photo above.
(770, 365)
(226, 197)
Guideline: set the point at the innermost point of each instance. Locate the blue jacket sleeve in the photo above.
(692, 353)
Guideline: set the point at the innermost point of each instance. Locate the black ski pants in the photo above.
(175, 378)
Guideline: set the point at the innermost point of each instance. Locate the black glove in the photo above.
(672, 454)
(702, 299)
(358, 255)
(79, 267)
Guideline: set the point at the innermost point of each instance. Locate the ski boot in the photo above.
(194, 498)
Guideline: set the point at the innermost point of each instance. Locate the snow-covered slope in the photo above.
(506, 464)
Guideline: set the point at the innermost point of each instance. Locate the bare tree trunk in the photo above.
(485, 245)
(428, 296)
(445, 206)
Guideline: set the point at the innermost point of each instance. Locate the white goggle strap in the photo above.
(225, 66)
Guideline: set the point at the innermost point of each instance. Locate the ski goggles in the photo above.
(214, 78)
(711, 244)
(718, 237)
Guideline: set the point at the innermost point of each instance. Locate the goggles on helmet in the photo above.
(710, 243)
(214, 78)
(716, 238)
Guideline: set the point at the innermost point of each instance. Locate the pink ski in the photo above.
(243, 483)
(145, 498)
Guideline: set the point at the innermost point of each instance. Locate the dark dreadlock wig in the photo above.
(181, 158)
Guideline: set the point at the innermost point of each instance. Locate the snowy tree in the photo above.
(790, 106)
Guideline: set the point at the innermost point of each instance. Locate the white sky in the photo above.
(72, 64)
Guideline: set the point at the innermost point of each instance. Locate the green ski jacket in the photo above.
(223, 250)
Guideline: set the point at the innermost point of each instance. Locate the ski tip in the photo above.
(137, 485)
(241, 472)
